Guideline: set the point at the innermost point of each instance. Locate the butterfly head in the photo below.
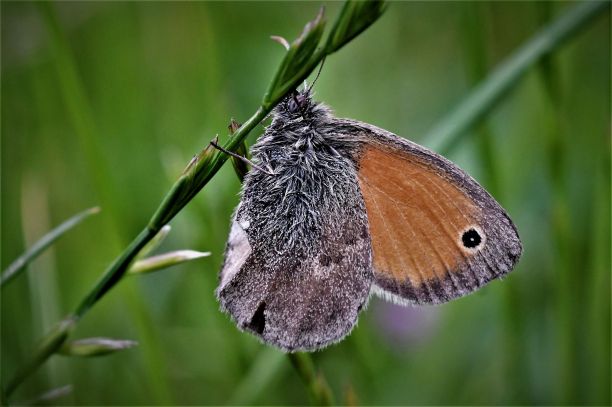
(298, 106)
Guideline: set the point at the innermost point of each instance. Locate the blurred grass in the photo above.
(158, 80)
(475, 34)
(19, 265)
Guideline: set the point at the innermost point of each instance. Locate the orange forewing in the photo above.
(416, 216)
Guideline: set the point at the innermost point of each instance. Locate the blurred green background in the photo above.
(105, 103)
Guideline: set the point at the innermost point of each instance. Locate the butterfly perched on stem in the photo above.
(337, 210)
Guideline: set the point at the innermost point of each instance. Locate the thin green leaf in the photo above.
(16, 267)
(240, 166)
(268, 364)
(155, 242)
(95, 347)
(48, 346)
(320, 391)
(162, 261)
(355, 17)
(299, 54)
(113, 274)
(486, 95)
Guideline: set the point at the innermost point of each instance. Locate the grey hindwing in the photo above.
(297, 266)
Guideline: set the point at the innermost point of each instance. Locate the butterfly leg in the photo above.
(241, 158)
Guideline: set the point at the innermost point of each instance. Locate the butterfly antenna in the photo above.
(318, 74)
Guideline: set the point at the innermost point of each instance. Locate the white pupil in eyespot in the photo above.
(471, 238)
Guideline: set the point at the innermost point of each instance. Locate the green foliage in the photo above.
(165, 260)
(195, 176)
(355, 17)
(300, 55)
(317, 385)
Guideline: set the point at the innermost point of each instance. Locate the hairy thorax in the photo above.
(312, 185)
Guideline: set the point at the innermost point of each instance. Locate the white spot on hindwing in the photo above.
(238, 250)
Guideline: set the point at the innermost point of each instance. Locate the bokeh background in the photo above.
(104, 103)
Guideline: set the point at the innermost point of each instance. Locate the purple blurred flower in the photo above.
(404, 325)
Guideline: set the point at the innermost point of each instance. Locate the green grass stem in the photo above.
(54, 340)
(267, 366)
(115, 272)
(315, 382)
(50, 344)
(485, 96)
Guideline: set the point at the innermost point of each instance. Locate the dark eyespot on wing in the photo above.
(471, 238)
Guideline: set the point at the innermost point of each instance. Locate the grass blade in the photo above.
(92, 347)
(165, 260)
(17, 266)
(267, 366)
(485, 96)
(154, 243)
(47, 346)
(314, 381)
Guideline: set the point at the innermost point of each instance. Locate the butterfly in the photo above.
(337, 210)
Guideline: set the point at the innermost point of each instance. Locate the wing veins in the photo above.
(416, 267)
(399, 206)
(390, 232)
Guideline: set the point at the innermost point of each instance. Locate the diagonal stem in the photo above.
(318, 388)
(485, 97)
